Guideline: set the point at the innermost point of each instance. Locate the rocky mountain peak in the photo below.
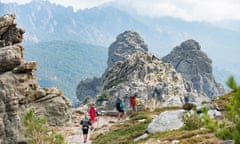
(190, 45)
(125, 45)
(196, 67)
(156, 83)
(19, 89)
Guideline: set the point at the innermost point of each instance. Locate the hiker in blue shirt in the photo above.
(120, 106)
(122, 110)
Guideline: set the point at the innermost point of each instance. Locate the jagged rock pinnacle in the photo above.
(196, 67)
(125, 45)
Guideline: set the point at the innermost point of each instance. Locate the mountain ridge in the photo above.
(98, 26)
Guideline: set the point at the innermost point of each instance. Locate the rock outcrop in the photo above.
(156, 83)
(88, 87)
(19, 89)
(126, 44)
(196, 67)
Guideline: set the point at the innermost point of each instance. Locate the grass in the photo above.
(125, 133)
(162, 109)
(223, 101)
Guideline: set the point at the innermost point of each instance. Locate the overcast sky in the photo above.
(191, 10)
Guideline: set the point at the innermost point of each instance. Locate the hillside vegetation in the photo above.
(65, 63)
(213, 131)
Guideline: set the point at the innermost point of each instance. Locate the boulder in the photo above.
(6, 21)
(166, 121)
(10, 57)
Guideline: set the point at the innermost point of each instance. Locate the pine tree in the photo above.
(234, 109)
(37, 131)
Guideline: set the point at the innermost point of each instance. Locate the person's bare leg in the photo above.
(85, 138)
(122, 115)
(119, 115)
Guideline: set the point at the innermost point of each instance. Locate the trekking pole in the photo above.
(98, 121)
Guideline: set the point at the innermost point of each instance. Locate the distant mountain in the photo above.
(45, 21)
(64, 63)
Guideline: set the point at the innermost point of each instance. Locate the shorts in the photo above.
(121, 111)
(85, 131)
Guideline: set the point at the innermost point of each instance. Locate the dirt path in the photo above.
(73, 133)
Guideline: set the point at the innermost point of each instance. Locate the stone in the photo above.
(214, 114)
(145, 135)
(20, 91)
(26, 67)
(5, 21)
(10, 57)
(196, 67)
(166, 121)
(13, 35)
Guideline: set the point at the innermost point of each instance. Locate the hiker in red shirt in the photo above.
(133, 102)
(92, 114)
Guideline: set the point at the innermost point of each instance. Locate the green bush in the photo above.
(233, 113)
(104, 96)
(192, 120)
(222, 130)
(37, 131)
(225, 133)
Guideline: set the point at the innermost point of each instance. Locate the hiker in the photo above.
(85, 122)
(122, 109)
(92, 113)
(119, 108)
(133, 102)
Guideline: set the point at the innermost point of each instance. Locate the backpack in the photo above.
(137, 101)
(118, 105)
(85, 124)
(122, 105)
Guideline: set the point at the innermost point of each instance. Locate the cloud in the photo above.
(190, 10)
(81, 4)
(17, 1)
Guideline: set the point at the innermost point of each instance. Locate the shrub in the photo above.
(233, 112)
(104, 96)
(192, 120)
(37, 131)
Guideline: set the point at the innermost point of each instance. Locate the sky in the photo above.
(190, 10)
